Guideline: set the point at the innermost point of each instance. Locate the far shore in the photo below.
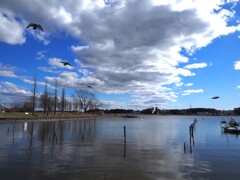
(22, 117)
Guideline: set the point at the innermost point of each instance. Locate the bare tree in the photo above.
(50, 102)
(85, 99)
(75, 103)
(69, 105)
(44, 99)
(28, 104)
(63, 100)
(34, 95)
(95, 103)
(55, 97)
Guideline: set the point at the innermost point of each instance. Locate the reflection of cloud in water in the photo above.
(86, 149)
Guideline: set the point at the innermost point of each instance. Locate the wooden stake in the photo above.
(124, 129)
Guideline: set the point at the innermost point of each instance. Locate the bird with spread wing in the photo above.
(65, 63)
(35, 26)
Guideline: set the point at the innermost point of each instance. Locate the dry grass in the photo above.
(19, 116)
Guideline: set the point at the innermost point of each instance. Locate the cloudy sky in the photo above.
(134, 53)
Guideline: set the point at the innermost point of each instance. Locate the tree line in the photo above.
(51, 102)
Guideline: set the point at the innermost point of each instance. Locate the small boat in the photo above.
(233, 123)
(231, 129)
(223, 122)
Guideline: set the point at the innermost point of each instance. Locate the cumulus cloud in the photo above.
(196, 65)
(73, 80)
(188, 92)
(11, 30)
(131, 46)
(237, 65)
(7, 71)
(29, 81)
(48, 69)
(188, 84)
(7, 74)
(56, 62)
(9, 89)
(137, 41)
(40, 55)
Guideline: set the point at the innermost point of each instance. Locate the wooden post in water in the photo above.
(190, 143)
(192, 130)
(124, 129)
(191, 138)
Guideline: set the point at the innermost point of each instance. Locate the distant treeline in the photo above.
(181, 111)
(191, 111)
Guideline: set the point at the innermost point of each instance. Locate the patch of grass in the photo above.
(41, 115)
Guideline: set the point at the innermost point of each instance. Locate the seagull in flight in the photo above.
(215, 97)
(89, 86)
(65, 63)
(35, 26)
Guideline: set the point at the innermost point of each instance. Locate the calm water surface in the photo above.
(95, 149)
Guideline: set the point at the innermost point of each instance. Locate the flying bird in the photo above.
(65, 63)
(215, 97)
(35, 26)
(89, 86)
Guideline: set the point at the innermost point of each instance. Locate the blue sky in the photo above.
(134, 53)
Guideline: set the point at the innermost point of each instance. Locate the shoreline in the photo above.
(30, 118)
(10, 119)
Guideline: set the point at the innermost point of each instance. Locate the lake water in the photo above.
(95, 149)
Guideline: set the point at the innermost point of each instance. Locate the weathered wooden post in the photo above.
(190, 148)
(192, 131)
(124, 129)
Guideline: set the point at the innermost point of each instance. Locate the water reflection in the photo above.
(98, 149)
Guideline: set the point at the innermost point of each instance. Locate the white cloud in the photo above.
(13, 92)
(41, 36)
(188, 84)
(73, 80)
(11, 30)
(40, 55)
(7, 74)
(10, 85)
(196, 65)
(130, 45)
(78, 48)
(32, 82)
(237, 65)
(56, 62)
(61, 14)
(7, 71)
(188, 92)
(48, 69)
(185, 72)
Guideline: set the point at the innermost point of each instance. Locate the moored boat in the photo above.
(231, 129)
